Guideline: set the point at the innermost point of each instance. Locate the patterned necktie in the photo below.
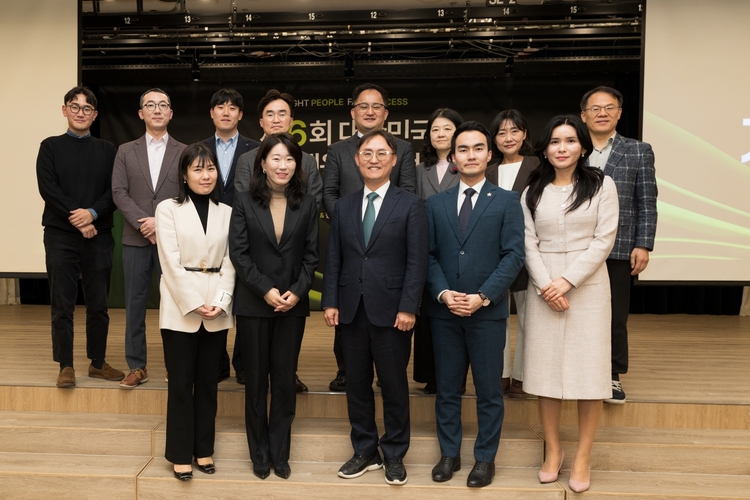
(465, 214)
(368, 221)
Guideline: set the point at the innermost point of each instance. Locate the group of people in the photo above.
(231, 226)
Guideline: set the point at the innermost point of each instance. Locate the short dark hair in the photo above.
(275, 95)
(469, 126)
(87, 93)
(387, 136)
(516, 118)
(225, 95)
(588, 179)
(370, 86)
(602, 88)
(295, 189)
(197, 151)
(429, 154)
(140, 101)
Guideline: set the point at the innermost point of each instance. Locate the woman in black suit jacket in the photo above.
(273, 243)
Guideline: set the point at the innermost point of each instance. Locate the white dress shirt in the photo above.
(462, 193)
(155, 149)
(378, 201)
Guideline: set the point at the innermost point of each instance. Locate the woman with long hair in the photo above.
(195, 312)
(435, 174)
(273, 242)
(571, 212)
(514, 160)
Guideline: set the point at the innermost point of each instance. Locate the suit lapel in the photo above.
(243, 146)
(141, 153)
(355, 212)
(450, 203)
(615, 155)
(489, 191)
(291, 217)
(265, 220)
(392, 197)
(351, 145)
(170, 152)
(432, 177)
(449, 179)
(522, 177)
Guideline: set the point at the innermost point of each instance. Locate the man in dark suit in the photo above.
(228, 145)
(145, 173)
(375, 270)
(342, 177)
(630, 163)
(476, 251)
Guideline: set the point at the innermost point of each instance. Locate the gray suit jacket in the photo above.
(132, 189)
(341, 175)
(245, 171)
(427, 180)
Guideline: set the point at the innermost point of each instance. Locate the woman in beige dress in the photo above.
(571, 213)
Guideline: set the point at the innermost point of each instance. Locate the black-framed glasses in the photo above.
(163, 106)
(75, 108)
(607, 109)
(380, 155)
(364, 106)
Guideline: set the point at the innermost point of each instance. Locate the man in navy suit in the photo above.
(341, 175)
(630, 163)
(476, 251)
(228, 145)
(375, 270)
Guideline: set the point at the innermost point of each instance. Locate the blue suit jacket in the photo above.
(487, 258)
(244, 144)
(389, 274)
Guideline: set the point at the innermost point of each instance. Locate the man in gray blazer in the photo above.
(276, 112)
(630, 163)
(341, 176)
(145, 173)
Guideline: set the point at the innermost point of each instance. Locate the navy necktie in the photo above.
(368, 221)
(465, 214)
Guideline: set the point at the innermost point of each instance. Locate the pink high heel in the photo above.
(551, 477)
(579, 486)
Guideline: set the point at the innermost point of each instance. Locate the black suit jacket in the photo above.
(341, 174)
(244, 144)
(389, 274)
(262, 264)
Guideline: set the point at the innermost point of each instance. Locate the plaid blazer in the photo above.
(631, 166)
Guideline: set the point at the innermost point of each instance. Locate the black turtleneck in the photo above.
(201, 202)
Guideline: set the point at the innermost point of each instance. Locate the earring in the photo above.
(264, 172)
(545, 156)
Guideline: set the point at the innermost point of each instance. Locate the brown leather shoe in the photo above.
(134, 379)
(106, 372)
(301, 387)
(516, 391)
(67, 378)
(505, 384)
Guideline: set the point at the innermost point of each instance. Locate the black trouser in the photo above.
(271, 348)
(192, 361)
(619, 284)
(68, 256)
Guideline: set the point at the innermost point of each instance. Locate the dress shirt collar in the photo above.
(232, 140)
(477, 187)
(73, 134)
(381, 190)
(151, 141)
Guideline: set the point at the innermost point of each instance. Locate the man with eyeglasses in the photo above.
(145, 173)
(342, 177)
(375, 270)
(74, 173)
(276, 115)
(630, 163)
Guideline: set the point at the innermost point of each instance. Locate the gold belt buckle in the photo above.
(204, 268)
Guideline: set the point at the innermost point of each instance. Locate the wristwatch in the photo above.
(485, 299)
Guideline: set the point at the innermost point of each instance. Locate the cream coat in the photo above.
(568, 354)
(182, 243)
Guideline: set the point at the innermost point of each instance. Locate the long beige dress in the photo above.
(568, 354)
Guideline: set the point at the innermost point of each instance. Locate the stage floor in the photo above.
(673, 358)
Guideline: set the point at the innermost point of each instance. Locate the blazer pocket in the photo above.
(395, 220)
(394, 282)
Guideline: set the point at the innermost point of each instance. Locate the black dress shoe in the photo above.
(301, 387)
(263, 471)
(339, 383)
(207, 468)
(282, 470)
(430, 388)
(358, 465)
(184, 476)
(481, 475)
(241, 377)
(445, 468)
(223, 374)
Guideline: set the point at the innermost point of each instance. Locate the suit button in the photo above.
(154, 196)
(457, 275)
(278, 272)
(461, 252)
(360, 280)
(365, 257)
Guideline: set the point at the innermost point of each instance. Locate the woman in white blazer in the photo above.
(197, 285)
(571, 214)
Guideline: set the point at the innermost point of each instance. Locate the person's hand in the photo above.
(208, 312)
(331, 315)
(405, 321)
(273, 298)
(148, 229)
(559, 305)
(80, 217)
(88, 231)
(555, 289)
(638, 260)
(289, 299)
(456, 302)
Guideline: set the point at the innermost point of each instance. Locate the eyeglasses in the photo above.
(380, 155)
(364, 106)
(75, 108)
(607, 109)
(163, 106)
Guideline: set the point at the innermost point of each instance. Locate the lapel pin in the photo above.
(489, 194)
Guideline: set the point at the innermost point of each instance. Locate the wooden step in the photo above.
(327, 440)
(43, 476)
(234, 480)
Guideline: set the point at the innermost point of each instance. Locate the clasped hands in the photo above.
(554, 294)
(461, 304)
(279, 302)
(208, 312)
(148, 229)
(83, 220)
